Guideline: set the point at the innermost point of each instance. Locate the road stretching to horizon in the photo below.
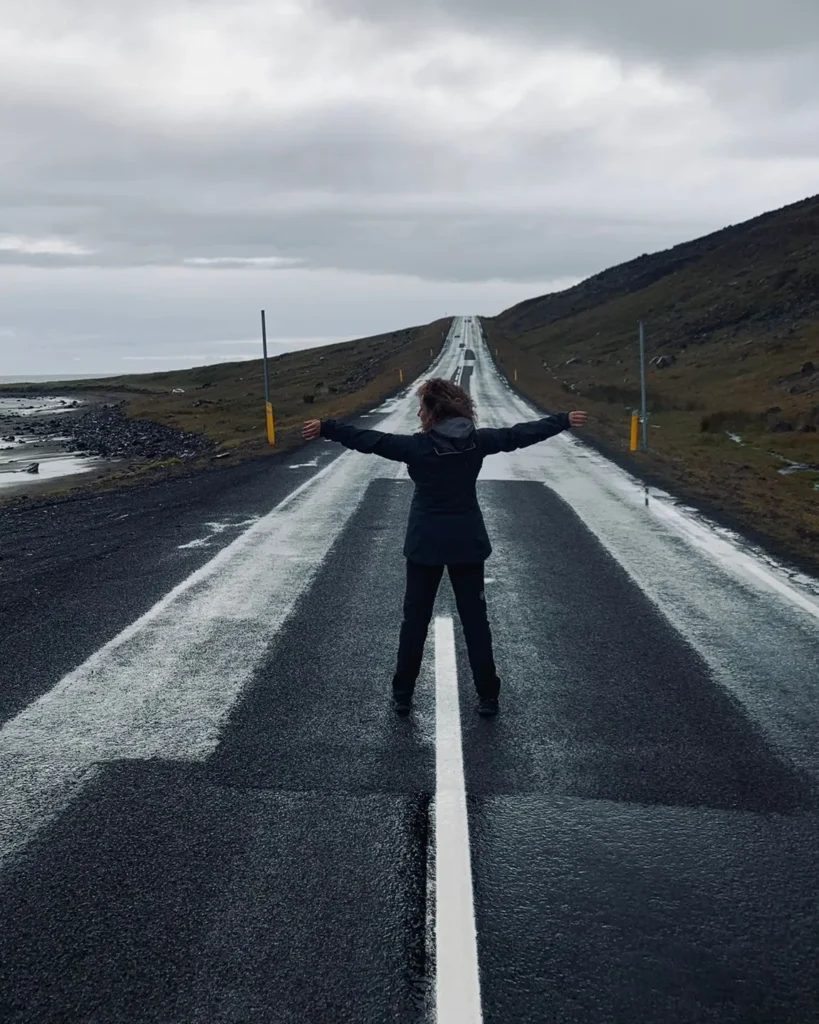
(210, 813)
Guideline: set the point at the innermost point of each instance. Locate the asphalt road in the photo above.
(209, 812)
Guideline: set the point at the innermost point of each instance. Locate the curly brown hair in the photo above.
(442, 399)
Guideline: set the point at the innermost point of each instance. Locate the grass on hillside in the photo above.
(226, 402)
(731, 387)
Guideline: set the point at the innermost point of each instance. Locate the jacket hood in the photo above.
(453, 435)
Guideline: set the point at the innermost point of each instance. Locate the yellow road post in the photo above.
(271, 424)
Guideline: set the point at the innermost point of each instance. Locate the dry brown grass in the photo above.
(337, 381)
(725, 387)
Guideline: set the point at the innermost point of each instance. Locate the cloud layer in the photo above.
(447, 142)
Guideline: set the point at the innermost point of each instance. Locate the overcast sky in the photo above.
(167, 168)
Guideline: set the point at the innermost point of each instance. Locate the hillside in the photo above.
(732, 337)
(225, 402)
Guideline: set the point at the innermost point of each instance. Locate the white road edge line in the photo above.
(698, 533)
(457, 980)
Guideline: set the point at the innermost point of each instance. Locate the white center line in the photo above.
(457, 982)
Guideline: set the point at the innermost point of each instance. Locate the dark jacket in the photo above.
(445, 521)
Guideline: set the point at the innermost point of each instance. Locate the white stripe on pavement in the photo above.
(457, 982)
(166, 684)
(751, 622)
(592, 484)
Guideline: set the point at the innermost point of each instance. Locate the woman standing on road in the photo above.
(445, 527)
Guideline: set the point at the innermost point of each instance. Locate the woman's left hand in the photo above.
(312, 430)
(577, 419)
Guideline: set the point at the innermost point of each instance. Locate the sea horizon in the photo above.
(156, 364)
(35, 378)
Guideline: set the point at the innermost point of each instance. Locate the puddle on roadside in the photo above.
(13, 473)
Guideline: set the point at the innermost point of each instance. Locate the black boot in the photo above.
(488, 707)
(402, 705)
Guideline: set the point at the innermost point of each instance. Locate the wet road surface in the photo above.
(210, 812)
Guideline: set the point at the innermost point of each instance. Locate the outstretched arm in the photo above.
(492, 440)
(372, 442)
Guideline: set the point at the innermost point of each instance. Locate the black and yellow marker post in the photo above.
(271, 423)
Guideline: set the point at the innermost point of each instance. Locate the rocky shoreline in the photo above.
(107, 432)
(51, 443)
(103, 430)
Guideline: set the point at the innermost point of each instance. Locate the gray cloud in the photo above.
(346, 187)
(349, 187)
(214, 147)
(690, 30)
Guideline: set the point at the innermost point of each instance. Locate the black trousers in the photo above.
(419, 599)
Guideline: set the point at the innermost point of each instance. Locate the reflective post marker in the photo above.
(635, 419)
(271, 423)
(643, 385)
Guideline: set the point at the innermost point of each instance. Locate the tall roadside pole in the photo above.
(643, 385)
(271, 424)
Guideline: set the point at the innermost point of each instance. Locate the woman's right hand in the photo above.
(577, 419)
(312, 430)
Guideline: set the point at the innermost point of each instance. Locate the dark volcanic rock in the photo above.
(107, 432)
